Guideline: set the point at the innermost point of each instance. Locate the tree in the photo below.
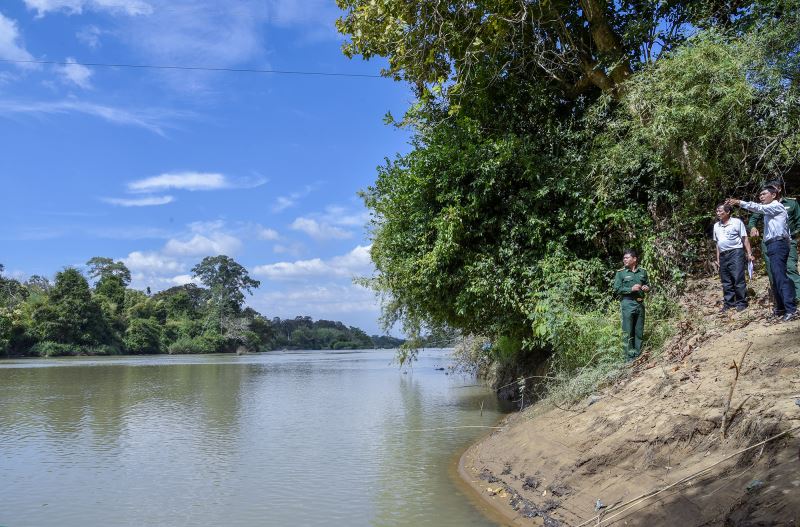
(70, 316)
(227, 281)
(575, 46)
(112, 279)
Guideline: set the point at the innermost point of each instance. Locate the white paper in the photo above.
(750, 269)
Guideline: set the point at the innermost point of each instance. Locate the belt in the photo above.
(777, 239)
(731, 250)
(632, 297)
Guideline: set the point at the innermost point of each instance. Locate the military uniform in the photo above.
(793, 211)
(632, 306)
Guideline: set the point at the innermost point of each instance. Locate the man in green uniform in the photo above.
(630, 283)
(793, 211)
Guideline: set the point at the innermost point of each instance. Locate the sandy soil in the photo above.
(662, 423)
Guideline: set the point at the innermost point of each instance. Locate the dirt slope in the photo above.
(662, 423)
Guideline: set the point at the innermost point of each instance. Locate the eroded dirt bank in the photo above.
(662, 423)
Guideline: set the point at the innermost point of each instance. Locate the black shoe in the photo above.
(775, 315)
(741, 308)
(788, 317)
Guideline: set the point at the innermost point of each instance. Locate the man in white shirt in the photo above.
(732, 244)
(776, 238)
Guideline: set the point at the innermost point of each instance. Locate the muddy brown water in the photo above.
(284, 438)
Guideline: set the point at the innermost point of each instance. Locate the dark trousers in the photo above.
(782, 287)
(731, 274)
(791, 267)
(632, 327)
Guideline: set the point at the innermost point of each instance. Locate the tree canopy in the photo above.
(69, 317)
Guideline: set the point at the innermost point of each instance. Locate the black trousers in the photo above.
(782, 287)
(731, 273)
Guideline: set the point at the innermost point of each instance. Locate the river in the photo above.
(275, 439)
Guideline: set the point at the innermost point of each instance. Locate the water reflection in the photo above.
(306, 438)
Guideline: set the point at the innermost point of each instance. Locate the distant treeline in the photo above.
(99, 314)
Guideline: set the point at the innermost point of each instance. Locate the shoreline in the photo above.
(461, 472)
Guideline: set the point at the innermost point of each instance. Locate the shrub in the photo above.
(48, 348)
(187, 345)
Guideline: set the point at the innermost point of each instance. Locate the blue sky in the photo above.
(160, 168)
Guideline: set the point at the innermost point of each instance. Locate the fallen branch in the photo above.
(738, 368)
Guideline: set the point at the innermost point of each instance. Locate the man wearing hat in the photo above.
(793, 212)
(776, 241)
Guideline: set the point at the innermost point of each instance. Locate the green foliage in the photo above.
(71, 316)
(226, 281)
(200, 344)
(49, 348)
(143, 336)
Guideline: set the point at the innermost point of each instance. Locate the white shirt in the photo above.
(775, 218)
(729, 236)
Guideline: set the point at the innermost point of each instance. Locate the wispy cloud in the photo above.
(149, 201)
(284, 202)
(319, 231)
(317, 17)
(90, 35)
(127, 7)
(76, 74)
(197, 32)
(11, 46)
(192, 181)
(154, 120)
(180, 180)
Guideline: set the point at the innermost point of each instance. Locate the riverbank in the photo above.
(660, 424)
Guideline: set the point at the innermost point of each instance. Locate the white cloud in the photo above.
(319, 231)
(266, 234)
(76, 74)
(11, 47)
(127, 7)
(151, 262)
(180, 180)
(153, 120)
(90, 35)
(355, 263)
(200, 245)
(183, 279)
(140, 202)
(191, 181)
